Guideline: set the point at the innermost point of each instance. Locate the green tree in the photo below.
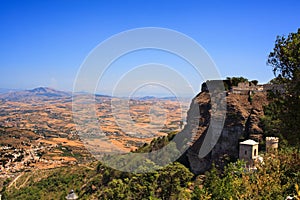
(236, 80)
(285, 61)
(173, 180)
(255, 82)
(275, 178)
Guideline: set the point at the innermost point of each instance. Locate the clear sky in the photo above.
(43, 43)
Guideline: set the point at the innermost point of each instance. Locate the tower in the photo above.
(271, 143)
(248, 151)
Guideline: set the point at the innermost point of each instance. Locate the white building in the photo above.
(248, 151)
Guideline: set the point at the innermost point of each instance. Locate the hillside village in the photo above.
(14, 160)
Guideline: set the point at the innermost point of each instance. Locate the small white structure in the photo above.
(271, 143)
(71, 195)
(248, 151)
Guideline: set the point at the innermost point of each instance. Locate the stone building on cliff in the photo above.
(248, 151)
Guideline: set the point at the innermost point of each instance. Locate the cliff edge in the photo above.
(242, 121)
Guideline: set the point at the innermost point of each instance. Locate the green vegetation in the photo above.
(47, 184)
(102, 182)
(236, 80)
(157, 143)
(283, 114)
(254, 82)
(275, 178)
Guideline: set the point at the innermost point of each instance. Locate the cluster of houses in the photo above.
(14, 160)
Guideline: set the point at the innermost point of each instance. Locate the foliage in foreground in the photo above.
(275, 178)
(284, 113)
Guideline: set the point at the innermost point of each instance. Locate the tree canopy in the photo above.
(285, 61)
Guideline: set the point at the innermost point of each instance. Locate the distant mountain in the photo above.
(6, 90)
(171, 98)
(39, 93)
(102, 95)
(146, 98)
(45, 91)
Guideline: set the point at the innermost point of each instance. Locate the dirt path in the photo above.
(15, 180)
(23, 184)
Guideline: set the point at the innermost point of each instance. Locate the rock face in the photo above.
(242, 121)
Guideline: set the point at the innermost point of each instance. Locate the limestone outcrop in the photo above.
(242, 121)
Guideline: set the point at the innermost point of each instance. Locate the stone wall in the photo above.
(246, 88)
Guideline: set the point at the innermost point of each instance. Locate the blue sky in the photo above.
(43, 43)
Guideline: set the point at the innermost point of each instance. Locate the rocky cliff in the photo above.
(242, 121)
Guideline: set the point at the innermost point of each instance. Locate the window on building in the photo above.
(245, 152)
(254, 152)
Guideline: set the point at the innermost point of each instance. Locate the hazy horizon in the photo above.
(44, 43)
